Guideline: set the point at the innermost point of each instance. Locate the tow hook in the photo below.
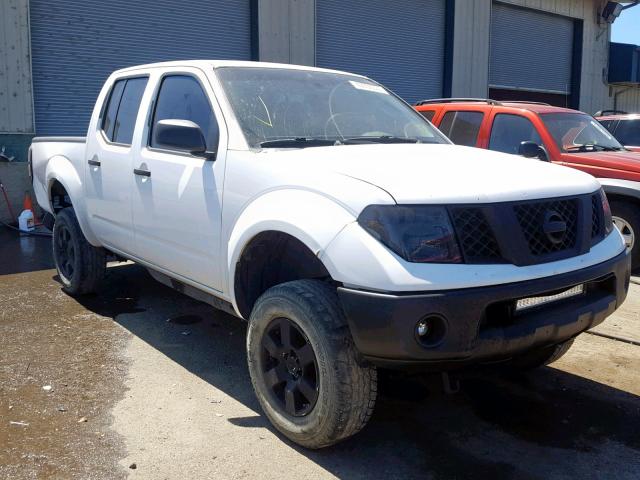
(450, 385)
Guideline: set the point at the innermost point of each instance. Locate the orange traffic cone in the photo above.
(28, 205)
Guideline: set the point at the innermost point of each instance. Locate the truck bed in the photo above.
(69, 150)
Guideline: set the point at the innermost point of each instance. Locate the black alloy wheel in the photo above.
(289, 367)
(65, 252)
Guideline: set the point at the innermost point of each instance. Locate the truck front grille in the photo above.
(532, 217)
(525, 233)
(596, 216)
(476, 238)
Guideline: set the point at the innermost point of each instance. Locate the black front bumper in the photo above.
(481, 324)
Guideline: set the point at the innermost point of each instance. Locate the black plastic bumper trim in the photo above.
(482, 325)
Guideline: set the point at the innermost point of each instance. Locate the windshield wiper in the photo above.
(593, 147)
(379, 139)
(297, 142)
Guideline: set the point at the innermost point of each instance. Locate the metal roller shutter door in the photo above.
(530, 50)
(399, 44)
(76, 44)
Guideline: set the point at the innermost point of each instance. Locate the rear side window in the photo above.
(462, 127)
(428, 114)
(628, 132)
(119, 119)
(509, 131)
(109, 116)
(181, 98)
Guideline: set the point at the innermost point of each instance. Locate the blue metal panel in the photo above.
(530, 49)
(76, 44)
(624, 63)
(399, 44)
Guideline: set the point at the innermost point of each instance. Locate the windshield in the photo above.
(301, 108)
(578, 132)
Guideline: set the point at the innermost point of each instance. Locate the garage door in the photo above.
(530, 50)
(76, 44)
(399, 44)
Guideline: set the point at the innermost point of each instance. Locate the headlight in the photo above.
(418, 233)
(606, 209)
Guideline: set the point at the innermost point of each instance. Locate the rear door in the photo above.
(108, 164)
(177, 205)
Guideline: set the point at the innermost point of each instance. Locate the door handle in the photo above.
(143, 173)
(94, 163)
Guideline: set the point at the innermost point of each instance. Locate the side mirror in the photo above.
(181, 135)
(529, 149)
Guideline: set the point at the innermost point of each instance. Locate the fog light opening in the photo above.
(430, 331)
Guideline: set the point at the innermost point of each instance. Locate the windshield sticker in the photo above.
(368, 87)
(602, 130)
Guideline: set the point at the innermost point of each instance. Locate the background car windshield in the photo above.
(574, 130)
(273, 104)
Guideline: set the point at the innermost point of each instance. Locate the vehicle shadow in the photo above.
(546, 424)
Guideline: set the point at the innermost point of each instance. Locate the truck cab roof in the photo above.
(204, 64)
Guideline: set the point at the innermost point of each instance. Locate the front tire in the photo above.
(304, 365)
(626, 217)
(81, 266)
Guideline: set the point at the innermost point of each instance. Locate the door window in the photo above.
(462, 128)
(628, 132)
(182, 98)
(119, 119)
(509, 131)
(128, 110)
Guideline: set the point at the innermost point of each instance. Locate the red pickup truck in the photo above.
(624, 126)
(555, 134)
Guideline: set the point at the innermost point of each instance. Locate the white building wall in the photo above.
(16, 106)
(286, 31)
(470, 76)
(628, 99)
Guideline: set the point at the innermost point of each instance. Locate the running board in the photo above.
(193, 292)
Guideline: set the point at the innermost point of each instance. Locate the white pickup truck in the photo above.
(347, 230)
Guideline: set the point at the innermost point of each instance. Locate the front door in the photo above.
(177, 197)
(108, 178)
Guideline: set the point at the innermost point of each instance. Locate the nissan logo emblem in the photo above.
(554, 227)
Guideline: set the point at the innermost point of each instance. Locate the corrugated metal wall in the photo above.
(76, 44)
(399, 44)
(628, 99)
(530, 50)
(471, 49)
(15, 68)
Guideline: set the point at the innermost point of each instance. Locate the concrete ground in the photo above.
(143, 377)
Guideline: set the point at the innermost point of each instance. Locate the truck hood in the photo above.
(624, 161)
(424, 173)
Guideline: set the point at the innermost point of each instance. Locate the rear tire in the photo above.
(540, 357)
(316, 348)
(81, 266)
(629, 214)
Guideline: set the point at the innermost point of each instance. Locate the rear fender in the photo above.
(61, 169)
